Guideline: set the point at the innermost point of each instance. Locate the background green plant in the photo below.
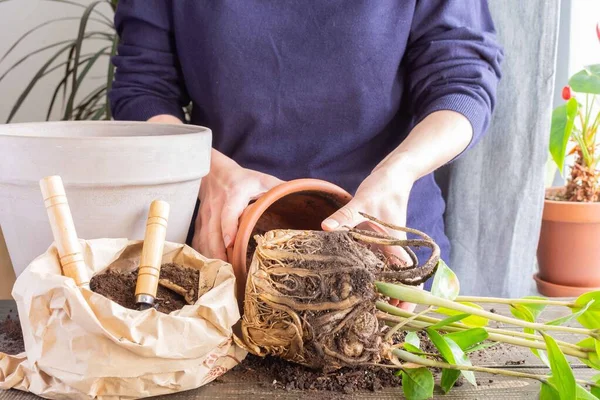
(70, 57)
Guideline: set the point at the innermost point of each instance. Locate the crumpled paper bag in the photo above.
(80, 345)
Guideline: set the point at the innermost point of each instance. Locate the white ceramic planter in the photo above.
(111, 170)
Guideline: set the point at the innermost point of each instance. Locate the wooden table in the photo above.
(490, 386)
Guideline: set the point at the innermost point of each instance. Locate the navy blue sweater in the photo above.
(309, 88)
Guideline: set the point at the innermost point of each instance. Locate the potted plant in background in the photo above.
(569, 246)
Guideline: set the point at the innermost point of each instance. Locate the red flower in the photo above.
(598, 30)
(567, 93)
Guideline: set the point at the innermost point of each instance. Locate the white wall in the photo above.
(16, 18)
(584, 44)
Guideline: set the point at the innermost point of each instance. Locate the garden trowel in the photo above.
(152, 251)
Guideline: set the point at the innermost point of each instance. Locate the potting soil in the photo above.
(120, 287)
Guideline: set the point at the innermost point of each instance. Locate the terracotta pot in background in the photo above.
(297, 204)
(569, 248)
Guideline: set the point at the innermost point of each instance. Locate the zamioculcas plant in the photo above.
(321, 299)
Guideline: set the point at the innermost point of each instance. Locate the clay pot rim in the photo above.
(552, 286)
(254, 211)
(568, 203)
(185, 130)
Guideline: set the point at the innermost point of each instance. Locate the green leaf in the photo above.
(481, 346)
(413, 349)
(110, 76)
(563, 119)
(548, 392)
(528, 312)
(583, 394)
(562, 375)
(591, 318)
(413, 338)
(586, 80)
(567, 318)
(593, 361)
(449, 378)
(449, 320)
(445, 282)
(471, 320)
(417, 384)
(452, 353)
(78, 44)
(468, 338)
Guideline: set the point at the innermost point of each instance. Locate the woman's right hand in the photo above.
(224, 194)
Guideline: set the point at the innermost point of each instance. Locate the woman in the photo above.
(371, 95)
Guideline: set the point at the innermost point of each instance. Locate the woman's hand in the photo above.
(224, 194)
(436, 140)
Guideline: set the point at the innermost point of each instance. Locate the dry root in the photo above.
(310, 296)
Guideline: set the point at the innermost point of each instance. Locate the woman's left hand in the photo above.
(383, 194)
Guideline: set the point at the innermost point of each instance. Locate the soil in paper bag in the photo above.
(120, 287)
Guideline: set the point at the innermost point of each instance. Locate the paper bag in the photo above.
(81, 345)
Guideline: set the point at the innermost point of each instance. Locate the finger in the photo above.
(214, 235)
(410, 307)
(230, 217)
(346, 216)
(197, 230)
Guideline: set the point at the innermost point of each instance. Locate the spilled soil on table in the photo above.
(11, 336)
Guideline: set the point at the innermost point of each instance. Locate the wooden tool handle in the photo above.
(63, 230)
(152, 251)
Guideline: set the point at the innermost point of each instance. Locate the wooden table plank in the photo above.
(490, 387)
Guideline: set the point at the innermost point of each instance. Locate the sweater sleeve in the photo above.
(148, 79)
(453, 61)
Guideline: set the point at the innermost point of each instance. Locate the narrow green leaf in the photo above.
(413, 338)
(449, 378)
(108, 23)
(98, 115)
(596, 390)
(449, 320)
(471, 320)
(445, 282)
(593, 361)
(563, 119)
(468, 338)
(417, 384)
(583, 394)
(452, 353)
(562, 375)
(32, 83)
(110, 76)
(567, 318)
(591, 318)
(36, 28)
(78, 44)
(586, 80)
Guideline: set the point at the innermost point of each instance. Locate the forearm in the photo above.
(436, 140)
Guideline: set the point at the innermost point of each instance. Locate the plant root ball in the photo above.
(310, 298)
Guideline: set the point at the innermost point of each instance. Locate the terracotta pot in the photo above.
(569, 248)
(111, 170)
(297, 204)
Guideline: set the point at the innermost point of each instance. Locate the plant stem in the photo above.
(455, 327)
(496, 337)
(417, 296)
(404, 322)
(498, 300)
(408, 357)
